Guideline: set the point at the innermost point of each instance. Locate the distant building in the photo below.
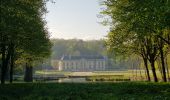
(55, 64)
(82, 63)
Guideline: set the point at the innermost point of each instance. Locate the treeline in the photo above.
(140, 27)
(23, 36)
(77, 47)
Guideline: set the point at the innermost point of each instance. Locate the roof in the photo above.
(82, 57)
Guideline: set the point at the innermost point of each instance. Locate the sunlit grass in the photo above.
(133, 75)
(52, 72)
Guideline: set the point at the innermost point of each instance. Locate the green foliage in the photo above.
(23, 25)
(131, 21)
(77, 48)
(23, 32)
(88, 91)
(139, 27)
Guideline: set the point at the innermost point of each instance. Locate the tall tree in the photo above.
(143, 19)
(23, 27)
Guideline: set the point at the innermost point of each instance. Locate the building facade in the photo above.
(82, 63)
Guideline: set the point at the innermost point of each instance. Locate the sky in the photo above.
(75, 19)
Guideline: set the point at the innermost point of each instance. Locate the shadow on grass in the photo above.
(85, 91)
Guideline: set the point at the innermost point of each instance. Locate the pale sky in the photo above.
(70, 19)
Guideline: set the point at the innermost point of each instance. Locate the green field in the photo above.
(85, 91)
(133, 75)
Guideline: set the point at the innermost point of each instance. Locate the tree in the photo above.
(22, 27)
(143, 20)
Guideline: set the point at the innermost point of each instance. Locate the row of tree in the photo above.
(23, 35)
(140, 27)
(77, 47)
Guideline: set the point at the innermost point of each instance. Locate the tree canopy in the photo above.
(139, 27)
(23, 29)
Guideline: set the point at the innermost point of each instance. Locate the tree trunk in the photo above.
(159, 66)
(0, 69)
(6, 54)
(147, 69)
(28, 73)
(3, 63)
(12, 64)
(153, 70)
(167, 68)
(163, 65)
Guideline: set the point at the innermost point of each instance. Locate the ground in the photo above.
(133, 75)
(86, 91)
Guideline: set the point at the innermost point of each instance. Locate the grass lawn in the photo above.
(85, 91)
(133, 75)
